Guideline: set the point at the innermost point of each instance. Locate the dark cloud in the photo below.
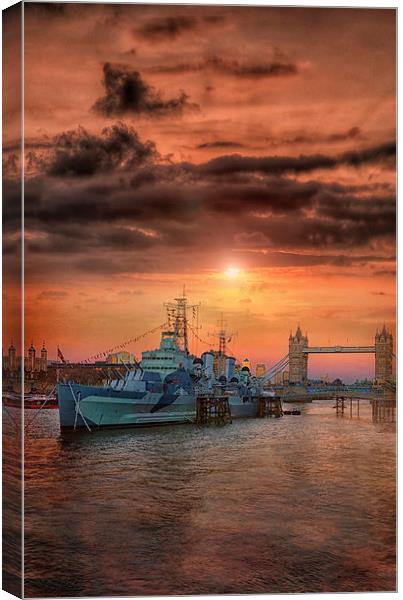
(378, 214)
(233, 68)
(126, 92)
(382, 153)
(353, 133)
(277, 195)
(170, 28)
(12, 205)
(113, 238)
(276, 165)
(167, 28)
(350, 134)
(293, 259)
(385, 273)
(255, 70)
(52, 295)
(219, 144)
(284, 214)
(318, 233)
(252, 207)
(80, 153)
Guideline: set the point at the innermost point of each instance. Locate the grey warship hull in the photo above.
(83, 406)
(89, 407)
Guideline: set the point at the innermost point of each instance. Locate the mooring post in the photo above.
(340, 405)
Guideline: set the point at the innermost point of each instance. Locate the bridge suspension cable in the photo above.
(278, 366)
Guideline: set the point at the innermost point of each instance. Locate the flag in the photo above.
(60, 355)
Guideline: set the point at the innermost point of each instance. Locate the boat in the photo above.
(34, 401)
(162, 388)
(31, 401)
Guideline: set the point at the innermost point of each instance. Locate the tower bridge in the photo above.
(299, 350)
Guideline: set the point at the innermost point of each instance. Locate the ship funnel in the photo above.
(208, 362)
(229, 367)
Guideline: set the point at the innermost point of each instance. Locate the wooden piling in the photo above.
(270, 406)
(384, 409)
(213, 410)
(340, 405)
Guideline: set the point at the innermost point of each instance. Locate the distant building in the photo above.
(32, 363)
(260, 370)
(246, 363)
(11, 362)
(44, 359)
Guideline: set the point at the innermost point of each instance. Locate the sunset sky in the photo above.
(166, 145)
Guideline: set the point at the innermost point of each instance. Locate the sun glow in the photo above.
(232, 272)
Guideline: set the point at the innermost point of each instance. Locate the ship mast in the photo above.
(223, 339)
(177, 318)
(221, 346)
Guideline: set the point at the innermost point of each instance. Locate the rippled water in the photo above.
(299, 504)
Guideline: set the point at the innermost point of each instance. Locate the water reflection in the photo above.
(383, 408)
(299, 504)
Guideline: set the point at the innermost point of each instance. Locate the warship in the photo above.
(162, 387)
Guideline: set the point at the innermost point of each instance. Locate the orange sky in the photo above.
(167, 144)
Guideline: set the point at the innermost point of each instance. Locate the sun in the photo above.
(232, 272)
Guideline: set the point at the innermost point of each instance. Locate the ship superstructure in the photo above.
(168, 357)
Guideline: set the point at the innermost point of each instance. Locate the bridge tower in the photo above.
(383, 355)
(298, 365)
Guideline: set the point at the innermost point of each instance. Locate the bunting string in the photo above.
(198, 337)
(106, 353)
(204, 341)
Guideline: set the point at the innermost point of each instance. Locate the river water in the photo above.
(299, 504)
